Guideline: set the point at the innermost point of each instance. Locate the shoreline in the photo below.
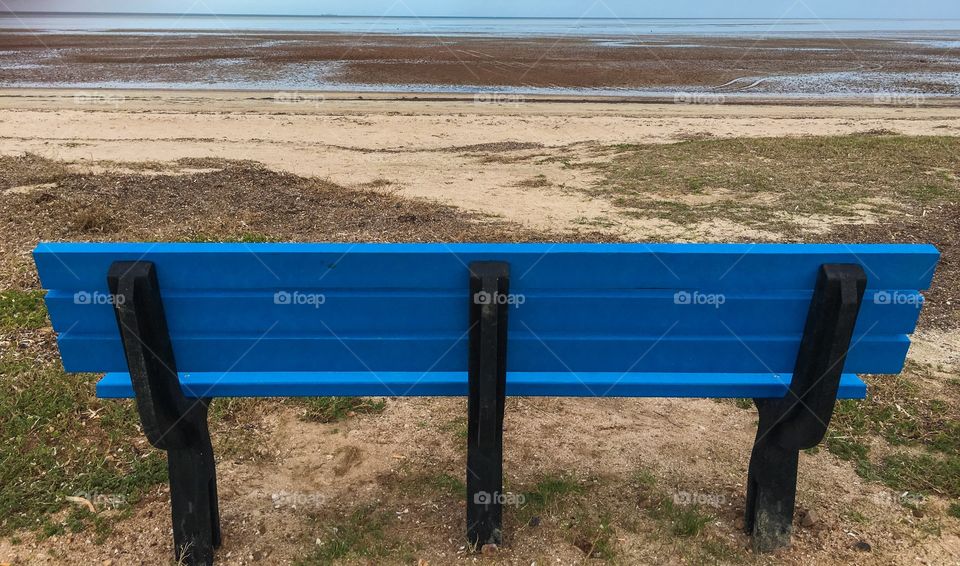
(304, 99)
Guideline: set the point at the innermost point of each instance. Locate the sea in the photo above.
(446, 26)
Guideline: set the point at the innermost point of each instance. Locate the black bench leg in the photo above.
(489, 287)
(193, 497)
(800, 420)
(771, 492)
(170, 421)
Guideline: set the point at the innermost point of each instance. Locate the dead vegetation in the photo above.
(229, 201)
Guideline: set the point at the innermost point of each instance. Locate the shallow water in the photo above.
(890, 88)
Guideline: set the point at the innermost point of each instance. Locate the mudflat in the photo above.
(639, 65)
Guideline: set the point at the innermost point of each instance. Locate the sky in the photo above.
(515, 8)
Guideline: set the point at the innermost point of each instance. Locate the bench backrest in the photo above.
(728, 308)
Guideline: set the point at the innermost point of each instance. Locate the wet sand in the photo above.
(904, 69)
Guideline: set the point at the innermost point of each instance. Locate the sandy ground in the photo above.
(435, 148)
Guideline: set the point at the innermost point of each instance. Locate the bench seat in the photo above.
(414, 384)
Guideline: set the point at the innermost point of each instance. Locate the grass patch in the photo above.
(334, 409)
(924, 473)
(22, 310)
(954, 510)
(596, 539)
(538, 182)
(679, 520)
(445, 483)
(898, 412)
(60, 441)
(358, 536)
(586, 526)
(458, 429)
(547, 493)
(809, 175)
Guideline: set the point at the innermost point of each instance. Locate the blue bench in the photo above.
(788, 325)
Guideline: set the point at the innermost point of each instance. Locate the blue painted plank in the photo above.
(527, 353)
(410, 313)
(733, 267)
(117, 385)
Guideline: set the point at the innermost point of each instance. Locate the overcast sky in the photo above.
(554, 8)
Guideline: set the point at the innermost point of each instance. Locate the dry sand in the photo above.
(458, 152)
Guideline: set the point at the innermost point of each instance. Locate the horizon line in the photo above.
(180, 14)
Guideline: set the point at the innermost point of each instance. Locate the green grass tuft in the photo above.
(334, 409)
(359, 536)
(22, 310)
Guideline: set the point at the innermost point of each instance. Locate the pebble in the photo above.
(809, 519)
(863, 546)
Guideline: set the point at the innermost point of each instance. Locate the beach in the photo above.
(468, 152)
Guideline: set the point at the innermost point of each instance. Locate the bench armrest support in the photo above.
(170, 420)
(800, 420)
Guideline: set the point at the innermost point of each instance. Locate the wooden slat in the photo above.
(117, 385)
(527, 353)
(409, 313)
(719, 267)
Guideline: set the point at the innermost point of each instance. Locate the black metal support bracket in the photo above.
(489, 288)
(800, 420)
(170, 421)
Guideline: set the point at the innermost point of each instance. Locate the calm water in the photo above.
(119, 23)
